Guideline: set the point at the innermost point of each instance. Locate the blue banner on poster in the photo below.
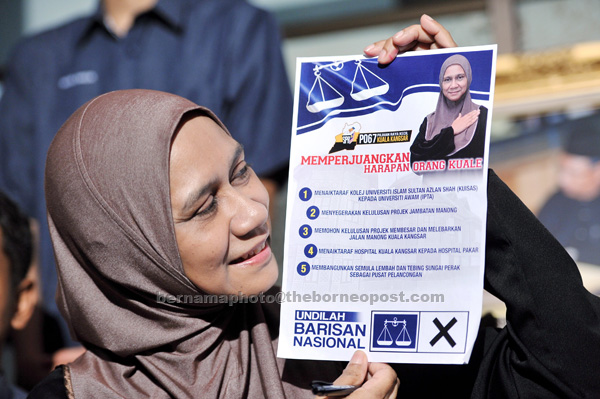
(361, 86)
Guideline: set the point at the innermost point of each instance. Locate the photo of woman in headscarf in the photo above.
(456, 129)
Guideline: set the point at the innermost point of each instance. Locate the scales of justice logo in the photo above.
(339, 88)
(365, 84)
(367, 91)
(395, 331)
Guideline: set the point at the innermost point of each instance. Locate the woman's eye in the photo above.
(207, 208)
(458, 78)
(242, 174)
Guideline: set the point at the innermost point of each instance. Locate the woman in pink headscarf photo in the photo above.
(456, 129)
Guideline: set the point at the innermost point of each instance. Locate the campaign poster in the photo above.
(386, 209)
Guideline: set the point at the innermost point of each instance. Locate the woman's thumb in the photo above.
(356, 370)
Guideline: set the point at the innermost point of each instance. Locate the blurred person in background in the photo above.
(224, 54)
(572, 214)
(18, 291)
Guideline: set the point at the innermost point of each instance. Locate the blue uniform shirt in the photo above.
(222, 54)
(9, 391)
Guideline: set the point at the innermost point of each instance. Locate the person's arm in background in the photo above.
(259, 114)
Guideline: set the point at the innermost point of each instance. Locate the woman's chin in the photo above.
(260, 282)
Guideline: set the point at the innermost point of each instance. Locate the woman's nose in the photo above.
(250, 216)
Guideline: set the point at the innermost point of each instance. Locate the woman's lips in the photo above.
(258, 255)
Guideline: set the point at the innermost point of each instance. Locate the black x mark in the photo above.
(443, 332)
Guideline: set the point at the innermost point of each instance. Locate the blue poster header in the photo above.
(361, 86)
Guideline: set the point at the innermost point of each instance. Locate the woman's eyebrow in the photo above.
(196, 195)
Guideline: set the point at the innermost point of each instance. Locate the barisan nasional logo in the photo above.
(351, 136)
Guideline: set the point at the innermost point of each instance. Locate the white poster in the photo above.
(386, 209)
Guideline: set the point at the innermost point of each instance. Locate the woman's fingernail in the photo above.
(369, 48)
(428, 17)
(356, 358)
(399, 34)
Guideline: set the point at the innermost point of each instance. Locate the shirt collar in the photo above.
(93, 22)
(171, 12)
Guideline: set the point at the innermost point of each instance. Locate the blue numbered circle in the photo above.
(303, 268)
(305, 231)
(310, 250)
(312, 213)
(305, 194)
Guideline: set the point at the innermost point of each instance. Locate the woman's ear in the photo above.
(27, 299)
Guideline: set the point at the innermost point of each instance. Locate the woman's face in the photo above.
(454, 84)
(220, 210)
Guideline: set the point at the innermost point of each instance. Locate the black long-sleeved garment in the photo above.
(550, 347)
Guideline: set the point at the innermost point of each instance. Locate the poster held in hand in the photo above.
(386, 208)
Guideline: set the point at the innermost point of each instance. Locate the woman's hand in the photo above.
(428, 35)
(381, 380)
(461, 123)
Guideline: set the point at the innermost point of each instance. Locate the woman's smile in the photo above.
(257, 256)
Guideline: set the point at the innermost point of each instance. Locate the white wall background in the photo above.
(39, 15)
